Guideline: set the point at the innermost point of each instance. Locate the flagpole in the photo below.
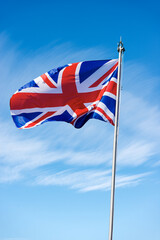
(121, 51)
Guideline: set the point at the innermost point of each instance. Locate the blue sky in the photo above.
(54, 179)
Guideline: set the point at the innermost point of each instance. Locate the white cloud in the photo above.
(139, 138)
(136, 153)
(140, 115)
(9, 174)
(130, 180)
(96, 157)
(157, 164)
(88, 180)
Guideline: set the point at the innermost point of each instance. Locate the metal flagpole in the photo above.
(121, 51)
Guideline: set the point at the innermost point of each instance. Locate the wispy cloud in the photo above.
(88, 180)
(136, 153)
(139, 130)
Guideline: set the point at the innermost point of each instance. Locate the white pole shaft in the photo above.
(120, 50)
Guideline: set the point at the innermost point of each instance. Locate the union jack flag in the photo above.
(73, 93)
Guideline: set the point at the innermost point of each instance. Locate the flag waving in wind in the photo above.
(73, 93)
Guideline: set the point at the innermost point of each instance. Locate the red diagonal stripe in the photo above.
(103, 112)
(47, 81)
(48, 114)
(95, 84)
(111, 87)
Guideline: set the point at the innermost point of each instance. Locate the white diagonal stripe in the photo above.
(111, 95)
(105, 109)
(96, 75)
(31, 110)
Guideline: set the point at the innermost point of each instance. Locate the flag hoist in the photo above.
(121, 51)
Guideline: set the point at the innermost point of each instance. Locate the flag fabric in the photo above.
(73, 93)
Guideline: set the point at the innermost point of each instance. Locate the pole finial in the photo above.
(120, 47)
